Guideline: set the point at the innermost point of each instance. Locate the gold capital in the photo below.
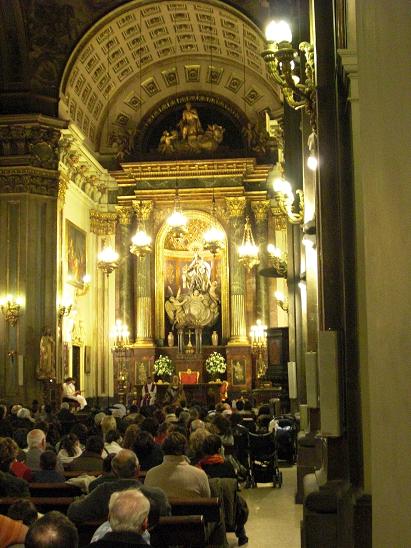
(143, 209)
(102, 223)
(63, 184)
(124, 214)
(260, 209)
(235, 206)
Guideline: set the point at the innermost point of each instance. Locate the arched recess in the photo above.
(208, 220)
(142, 53)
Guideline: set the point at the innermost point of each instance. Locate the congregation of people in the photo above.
(132, 461)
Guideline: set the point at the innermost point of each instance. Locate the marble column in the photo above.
(260, 209)
(124, 277)
(143, 284)
(235, 209)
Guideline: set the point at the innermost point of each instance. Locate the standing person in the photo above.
(148, 393)
(224, 391)
(174, 393)
(70, 392)
(46, 369)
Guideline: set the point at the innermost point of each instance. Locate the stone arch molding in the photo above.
(159, 269)
(144, 52)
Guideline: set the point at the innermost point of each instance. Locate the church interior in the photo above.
(182, 183)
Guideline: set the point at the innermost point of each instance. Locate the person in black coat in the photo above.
(213, 462)
(148, 452)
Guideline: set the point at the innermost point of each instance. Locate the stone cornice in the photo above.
(30, 180)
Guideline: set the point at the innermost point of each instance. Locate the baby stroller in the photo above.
(286, 436)
(263, 461)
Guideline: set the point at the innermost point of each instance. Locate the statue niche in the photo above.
(189, 135)
(196, 305)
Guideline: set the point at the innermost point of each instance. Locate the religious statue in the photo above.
(196, 304)
(190, 125)
(47, 369)
(189, 135)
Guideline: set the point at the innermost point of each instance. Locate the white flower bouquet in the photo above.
(215, 364)
(163, 366)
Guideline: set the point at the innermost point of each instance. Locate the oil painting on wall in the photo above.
(76, 254)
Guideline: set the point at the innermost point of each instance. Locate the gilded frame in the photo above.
(76, 254)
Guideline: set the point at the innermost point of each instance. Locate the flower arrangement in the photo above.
(163, 366)
(215, 364)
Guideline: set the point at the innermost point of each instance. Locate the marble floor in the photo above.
(274, 520)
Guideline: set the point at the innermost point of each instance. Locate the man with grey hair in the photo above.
(127, 520)
(36, 441)
(125, 466)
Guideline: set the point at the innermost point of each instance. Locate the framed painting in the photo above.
(238, 372)
(76, 254)
(87, 360)
(142, 371)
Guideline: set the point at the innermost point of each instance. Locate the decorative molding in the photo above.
(235, 207)
(124, 214)
(102, 223)
(260, 209)
(63, 185)
(143, 209)
(29, 180)
(280, 220)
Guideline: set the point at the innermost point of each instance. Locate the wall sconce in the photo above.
(258, 334)
(281, 300)
(286, 201)
(10, 307)
(80, 292)
(278, 259)
(280, 58)
(64, 309)
(309, 241)
(107, 259)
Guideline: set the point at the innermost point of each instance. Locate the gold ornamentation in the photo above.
(143, 209)
(193, 238)
(63, 184)
(235, 207)
(28, 180)
(260, 210)
(124, 214)
(102, 223)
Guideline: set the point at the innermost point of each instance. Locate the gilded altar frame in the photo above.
(159, 274)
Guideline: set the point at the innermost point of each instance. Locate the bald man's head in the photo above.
(125, 464)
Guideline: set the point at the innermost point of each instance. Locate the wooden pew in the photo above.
(54, 490)
(208, 507)
(186, 531)
(43, 504)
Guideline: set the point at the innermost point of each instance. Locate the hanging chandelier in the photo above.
(248, 251)
(213, 238)
(177, 220)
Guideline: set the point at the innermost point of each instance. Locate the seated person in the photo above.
(107, 474)
(195, 444)
(213, 462)
(149, 454)
(36, 441)
(174, 393)
(90, 459)
(112, 443)
(23, 510)
(176, 476)
(51, 530)
(70, 392)
(69, 449)
(12, 531)
(10, 486)
(127, 522)
(48, 473)
(125, 466)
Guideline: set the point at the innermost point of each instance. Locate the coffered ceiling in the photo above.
(141, 54)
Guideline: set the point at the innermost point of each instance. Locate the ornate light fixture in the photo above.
(258, 334)
(177, 221)
(10, 307)
(280, 58)
(248, 251)
(286, 201)
(107, 259)
(278, 259)
(80, 292)
(214, 238)
(120, 335)
(281, 300)
(64, 308)
(141, 241)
